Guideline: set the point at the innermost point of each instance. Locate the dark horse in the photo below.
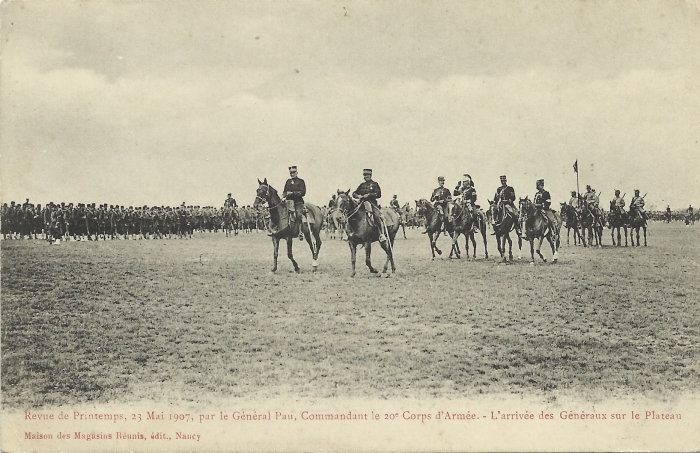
(433, 224)
(569, 216)
(279, 220)
(534, 227)
(463, 223)
(361, 231)
(636, 222)
(591, 220)
(617, 219)
(503, 228)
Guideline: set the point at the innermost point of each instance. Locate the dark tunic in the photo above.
(543, 199)
(295, 189)
(441, 196)
(506, 193)
(369, 188)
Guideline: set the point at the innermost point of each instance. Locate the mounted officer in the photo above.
(394, 204)
(618, 202)
(465, 188)
(293, 196)
(543, 202)
(367, 193)
(440, 197)
(591, 198)
(637, 205)
(230, 202)
(573, 201)
(505, 201)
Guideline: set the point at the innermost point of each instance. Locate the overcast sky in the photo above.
(159, 102)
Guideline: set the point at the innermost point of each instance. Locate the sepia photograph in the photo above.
(350, 226)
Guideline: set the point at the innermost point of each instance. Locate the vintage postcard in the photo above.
(350, 226)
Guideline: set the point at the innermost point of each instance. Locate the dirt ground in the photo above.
(200, 319)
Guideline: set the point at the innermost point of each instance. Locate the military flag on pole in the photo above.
(576, 166)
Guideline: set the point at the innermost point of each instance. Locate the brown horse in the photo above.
(637, 221)
(502, 229)
(534, 227)
(280, 221)
(362, 231)
(463, 223)
(433, 224)
(617, 219)
(570, 218)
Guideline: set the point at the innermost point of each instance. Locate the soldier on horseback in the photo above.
(293, 196)
(505, 202)
(591, 198)
(394, 204)
(230, 202)
(467, 191)
(367, 193)
(573, 201)
(637, 205)
(618, 202)
(440, 197)
(543, 201)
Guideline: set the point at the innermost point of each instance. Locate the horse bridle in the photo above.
(355, 211)
(267, 194)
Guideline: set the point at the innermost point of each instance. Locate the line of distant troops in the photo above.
(88, 221)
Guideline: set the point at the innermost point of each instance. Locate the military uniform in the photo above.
(368, 192)
(467, 191)
(441, 196)
(394, 204)
(230, 202)
(294, 192)
(591, 197)
(573, 201)
(618, 202)
(637, 204)
(505, 197)
(543, 202)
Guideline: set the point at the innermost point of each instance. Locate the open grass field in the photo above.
(199, 319)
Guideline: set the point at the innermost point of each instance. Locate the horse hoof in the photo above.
(439, 252)
(555, 260)
(532, 263)
(544, 260)
(298, 271)
(378, 275)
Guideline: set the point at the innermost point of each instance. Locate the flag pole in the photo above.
(578, 191)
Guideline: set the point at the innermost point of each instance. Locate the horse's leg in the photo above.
(645, 235)
(353, 255)
(454, 249)
(290, 242)
(276, 247)
(387, 249)
(435, 238)
(368, 260)
(555, 249)
(510, 247)
(539, 247)
(472, 238)
(502, 246)
(532, 251)
(432, 244)
(486, 248)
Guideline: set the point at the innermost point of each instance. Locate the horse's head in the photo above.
(525, 206)
(264, 194)
(423, 207)
(345, 202)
